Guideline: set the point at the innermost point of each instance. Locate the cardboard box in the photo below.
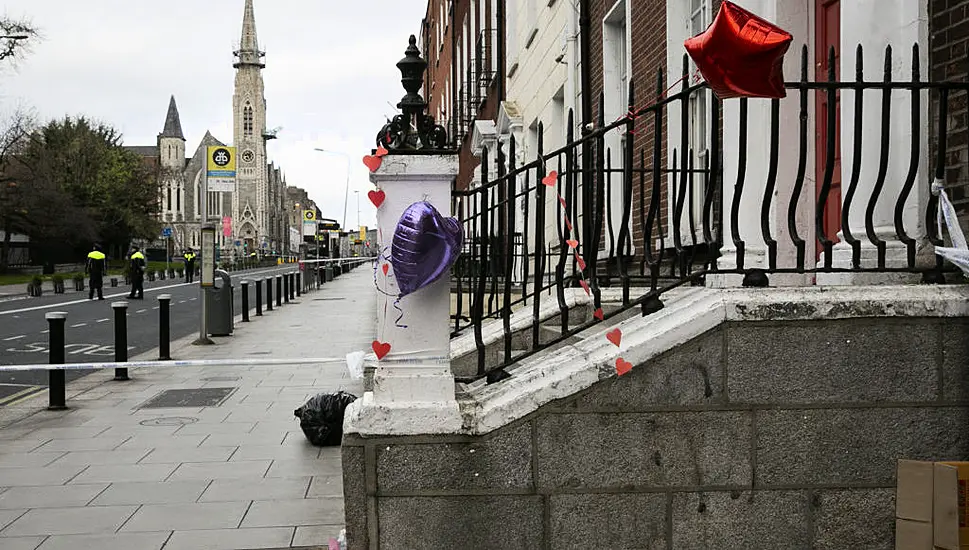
(913, 535)
(949, 520)
(931, 508)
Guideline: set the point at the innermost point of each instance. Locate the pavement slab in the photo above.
(108, 474)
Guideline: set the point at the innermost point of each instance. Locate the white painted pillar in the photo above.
(875, 24)
(413, 388)
(795, 17)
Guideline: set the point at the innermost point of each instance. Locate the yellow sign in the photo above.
(309, 215)
(363, 232)
(220, 168)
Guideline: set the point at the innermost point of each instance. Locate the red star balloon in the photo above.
(741, 55)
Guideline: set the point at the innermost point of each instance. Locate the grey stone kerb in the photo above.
(544, 378)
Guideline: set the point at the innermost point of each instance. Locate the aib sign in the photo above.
(221, 169)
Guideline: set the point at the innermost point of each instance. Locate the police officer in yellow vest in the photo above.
(189, 257)
(95, 267)
(136, 267)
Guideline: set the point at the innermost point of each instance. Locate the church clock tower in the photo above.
(250, 204)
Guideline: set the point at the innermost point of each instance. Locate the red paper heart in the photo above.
(580, 262)
(551, 179)
(373, 163)
(377, 197)
(623, 366)
(572, 243)
(386, 267)
(380, 348)
(381, 151)
(585, 286)
(614, 336)
(599, 314)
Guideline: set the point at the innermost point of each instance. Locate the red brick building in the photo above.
(465, 76)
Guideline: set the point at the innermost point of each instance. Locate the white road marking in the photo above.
(103, 320)
(156, 307)
(182, 301)
(141, 311)
(124, 294)
(79, 325)
(44, 331)
(14, 338)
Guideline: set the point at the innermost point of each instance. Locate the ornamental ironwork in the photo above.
(413, 129)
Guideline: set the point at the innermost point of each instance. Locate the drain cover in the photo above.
(199, 397)
(328, 299)
(169, 421)
(221, 379)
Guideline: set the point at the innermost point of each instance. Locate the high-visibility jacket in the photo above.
(96, 264)
(137, 262)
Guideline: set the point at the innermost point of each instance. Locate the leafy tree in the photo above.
(91, 188)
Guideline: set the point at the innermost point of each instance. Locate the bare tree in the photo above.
(15, 133)
(18, 36)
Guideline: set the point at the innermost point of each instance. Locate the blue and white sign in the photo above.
(167, 232)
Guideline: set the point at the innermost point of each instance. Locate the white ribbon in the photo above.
(958, 253)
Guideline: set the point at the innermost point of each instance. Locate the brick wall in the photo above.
(949, 60)
(755, 435)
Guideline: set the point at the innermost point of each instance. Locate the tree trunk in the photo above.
(5, 251)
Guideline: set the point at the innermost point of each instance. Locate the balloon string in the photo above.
(634, 114)
(399, 317)
(376, 285)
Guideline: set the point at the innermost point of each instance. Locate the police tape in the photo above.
(335, 260)
(180, 363)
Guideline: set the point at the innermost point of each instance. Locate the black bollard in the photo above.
(292, 286)
(279, 291)
(120, 338)
(299, 283)
(164, 327)
(258, 297)
(245, 301)
(56, 320)
(287, 288)
(269, 293)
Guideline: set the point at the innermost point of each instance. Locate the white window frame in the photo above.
(700, 109)
(616, 68)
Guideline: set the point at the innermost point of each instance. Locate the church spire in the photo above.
(248, 52)
(173, 124)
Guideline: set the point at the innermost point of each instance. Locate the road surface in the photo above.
(90, 326)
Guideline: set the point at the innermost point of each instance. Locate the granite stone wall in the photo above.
(755, 436)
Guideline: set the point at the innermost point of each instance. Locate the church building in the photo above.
(251, 218)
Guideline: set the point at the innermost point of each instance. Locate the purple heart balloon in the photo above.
(426, 245)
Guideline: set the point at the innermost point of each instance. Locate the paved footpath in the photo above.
(112, 474)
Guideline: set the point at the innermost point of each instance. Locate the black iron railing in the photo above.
(646, 216)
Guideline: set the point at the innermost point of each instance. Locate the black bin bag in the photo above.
(321, 418)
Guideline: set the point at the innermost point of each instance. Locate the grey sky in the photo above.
(329, 75)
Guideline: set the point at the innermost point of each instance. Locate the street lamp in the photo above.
(346, 195)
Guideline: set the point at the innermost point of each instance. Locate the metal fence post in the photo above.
(120, 338)
(164, 327)
(287, 288)
(299, 283)
(269, 293)
(245, 301)
(258, 297)
(279, 291)
(56, 320)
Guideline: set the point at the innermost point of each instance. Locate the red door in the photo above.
(828, 35)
